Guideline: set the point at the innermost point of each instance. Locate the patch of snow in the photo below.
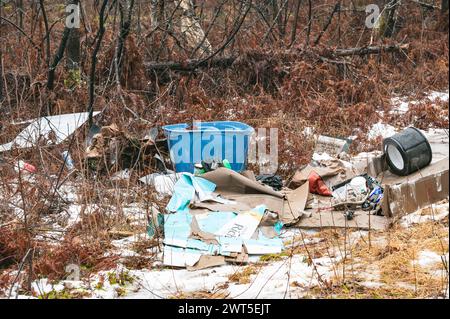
(25, 297)
(165, 283)
(354, 237)
(400, 105)
(42, 286)
(434, 95)
(321, 157)
(121, 175)
(70, 284)
(274, 280)
(271, 280)
(381, 129)
(405, 285)
(164, 184)
(292, 232)
(440, 212)
(74, 214)
(428, 258)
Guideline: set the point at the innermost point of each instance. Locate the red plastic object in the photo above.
(27, 167)
(317, 185)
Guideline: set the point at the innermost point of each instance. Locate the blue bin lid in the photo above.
(210, 127)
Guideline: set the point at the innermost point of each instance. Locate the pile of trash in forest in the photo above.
(219, 212)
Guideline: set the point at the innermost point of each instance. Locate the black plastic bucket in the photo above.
(407, 151)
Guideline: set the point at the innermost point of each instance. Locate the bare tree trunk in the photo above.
(100, 33)
(2, 97)
(308, 32)
(21, 10)
(47, 33)
(192, 31)
(276, 15)
(125, 25)
(1, 74)
(264, 8)
(294, 26)
(154, 13)
(52, 69)
(227, 61)
(59, 55)
(138, 22)
(157, 13)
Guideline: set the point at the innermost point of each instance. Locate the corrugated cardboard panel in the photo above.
(404, 195)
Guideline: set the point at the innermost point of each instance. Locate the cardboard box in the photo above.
(405, 195)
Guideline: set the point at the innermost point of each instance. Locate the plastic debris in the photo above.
(164, 184)
(349, 214)
(50, 129)
(155, 223)
(204, 167)
(373, 201)
(358, 185)
(23, 166)
(68, 161)
(273, 181)
(317, 185)
(187, 188)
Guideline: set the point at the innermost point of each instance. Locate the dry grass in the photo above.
(243, 276)
(392, 258)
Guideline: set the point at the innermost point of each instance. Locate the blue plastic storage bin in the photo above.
(208, 141)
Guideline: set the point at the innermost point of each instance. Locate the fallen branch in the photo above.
(225, 62)
(370, 50)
